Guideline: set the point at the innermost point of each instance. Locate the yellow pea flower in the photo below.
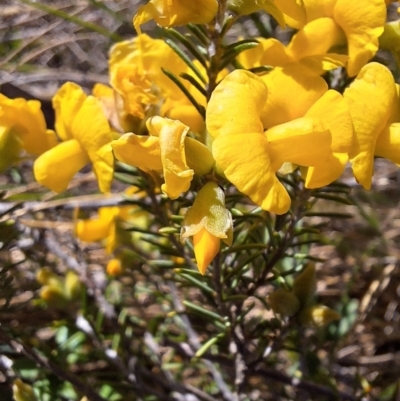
(373, 99)
(169, 13)
(208, 222)
(167, 150)
(362, 22)
(86, 135)
(22, 127)
(237, 115)
(105, 227)
(143, 89)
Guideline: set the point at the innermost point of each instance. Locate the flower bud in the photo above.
(318, 316)
(305, 285)
(284, 302)
(208, 221)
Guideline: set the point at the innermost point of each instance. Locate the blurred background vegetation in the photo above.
(148, 333)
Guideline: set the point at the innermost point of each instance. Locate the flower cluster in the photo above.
(197, 121)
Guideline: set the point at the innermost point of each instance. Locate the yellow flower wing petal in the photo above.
(317, 9)
(304, 141)
(370, 98)
(92, 230)
(66, 103)
(236, 104)
(140, 151)
(198, 156)
(245, 161)
(176, 12)
(103, 167)
(56, 167)
(317, 37)
(334, 111)
(177, 174)
(294, 12)
(31, 128)
(388, 143)
(90, 126)
(321, 63)
(363, 22)
(292, 90)
(327, 171)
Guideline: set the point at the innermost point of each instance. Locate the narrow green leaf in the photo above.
(194, 82)
(197, 283)
(204, 312)
(185, 58)
(178, 83)
(199, 34)
(197, 54)
(200, 352)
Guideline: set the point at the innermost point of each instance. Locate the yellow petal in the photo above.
(317, 9)
(67, 102)
(250, 169)
(363, 22)
(198, 156)
(176, 12)
(236, 104)
(305, 141)
(206, 246)
(388, 143)
(370, 98)
(92, 230)
(209, 212)
(177, 174)
(139, 151)
(334, 111)
(95, 135)
(294, 12)
(56, 167)
(26, 120)
(326, 172)
(292, 90)
(103, 167)
(317, 37)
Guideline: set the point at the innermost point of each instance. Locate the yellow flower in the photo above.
(86, 135)
(284, 11)
(176, 12)
(22, 127)
(238, 113)
(373, 100)
(106, 227)
(166, 150)
(361, 21)
(209, 222)
(144, 90)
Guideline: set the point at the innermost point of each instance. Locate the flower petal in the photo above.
(56, 167)
(363, 22)
(292, 90)
(177, 174)
(250, 169)
(94, 135)
(370, 98)
(388, 143)
(176, 12)
(236, 104)
(140, 151)
(67, 102)
(206, 246)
